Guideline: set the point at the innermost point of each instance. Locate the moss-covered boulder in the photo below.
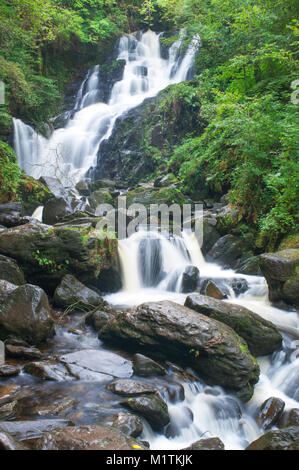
(285, 439)
(46, 254)
(32, 193)
(170, 331)
(10, 271)
(261, 335)
(6, 126)
(150, 195)
(281, 270)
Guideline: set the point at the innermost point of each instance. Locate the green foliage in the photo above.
(9, 173)
(249, 146)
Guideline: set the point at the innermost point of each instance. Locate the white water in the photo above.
(72, 151)
(213, 415)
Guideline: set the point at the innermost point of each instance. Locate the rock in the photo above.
(87, 438)
(9, 371)
(227, 250)
(261, 335)
(72, 292)
(49, 370)
(146, 367)
(190, 279)
(250, 266)
(210, 234)
(128, 424)
(212, 443)
(175, 332)
(98, 363)
(103, 183)
(11, 214)
(8, 393)
(150, 195)
(83, 187)
(227, 219)
(285, 439)
(270, 412)
(7, 411)
(33, 194)
(10, 271)
(101, 196)
(289, 418)
(47, 254)
(7, 442)
(101, 316)
(56, 408)
(25, 312)
(130, 388)
(58, 208)
(211, 289)
(150, 407)
(281, 271)
(165, 180)
(22, 352)
(31, 429)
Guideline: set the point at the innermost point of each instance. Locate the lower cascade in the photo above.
(152, 266)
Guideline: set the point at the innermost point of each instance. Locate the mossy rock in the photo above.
(148, 196)
(291, 241)
(33, 194)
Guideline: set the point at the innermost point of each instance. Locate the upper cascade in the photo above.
(71, 151)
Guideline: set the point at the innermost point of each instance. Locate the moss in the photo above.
(9, 173)
(291, 241)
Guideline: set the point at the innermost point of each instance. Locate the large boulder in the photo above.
(261, 335)
(25, 312)
(47, 254)
(87, 438)
(168, 330)
(72, 292)
(281, 271)
(285, 439)
(190, 279)
(57, 208)
(227, 251)
(10, 271)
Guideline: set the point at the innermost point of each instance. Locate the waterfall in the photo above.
(71, 151)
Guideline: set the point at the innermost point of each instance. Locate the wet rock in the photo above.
(211, 289)
(101, 196)
(8, 410)
(83, 187)
(25, 312)
(10, 271)
(58, 208)
(31, 429)
(285, 439)
(227, 250)
(57, 408)
(98, 364)
(7, 442)
(190, 279)
(145, 367)
(128, 424)
(72, 292)
(281, 271)
(87, 438)
(212, 443)
(211, 348)
(101, 316)
(11, 214)
(261, 335)
(250, 266)
(47, 254)
(8, 393)
(103, 183)
(130, 388)
(210, 234)
(289, 418)
(49, 370)
(227, 219)
(9, 371)
(165, 180)
(270, 412)
(22, 352)
(150, 407)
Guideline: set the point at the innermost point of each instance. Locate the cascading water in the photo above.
(152, 264)
(72, 151)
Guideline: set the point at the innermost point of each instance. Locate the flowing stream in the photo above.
(152, 266)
